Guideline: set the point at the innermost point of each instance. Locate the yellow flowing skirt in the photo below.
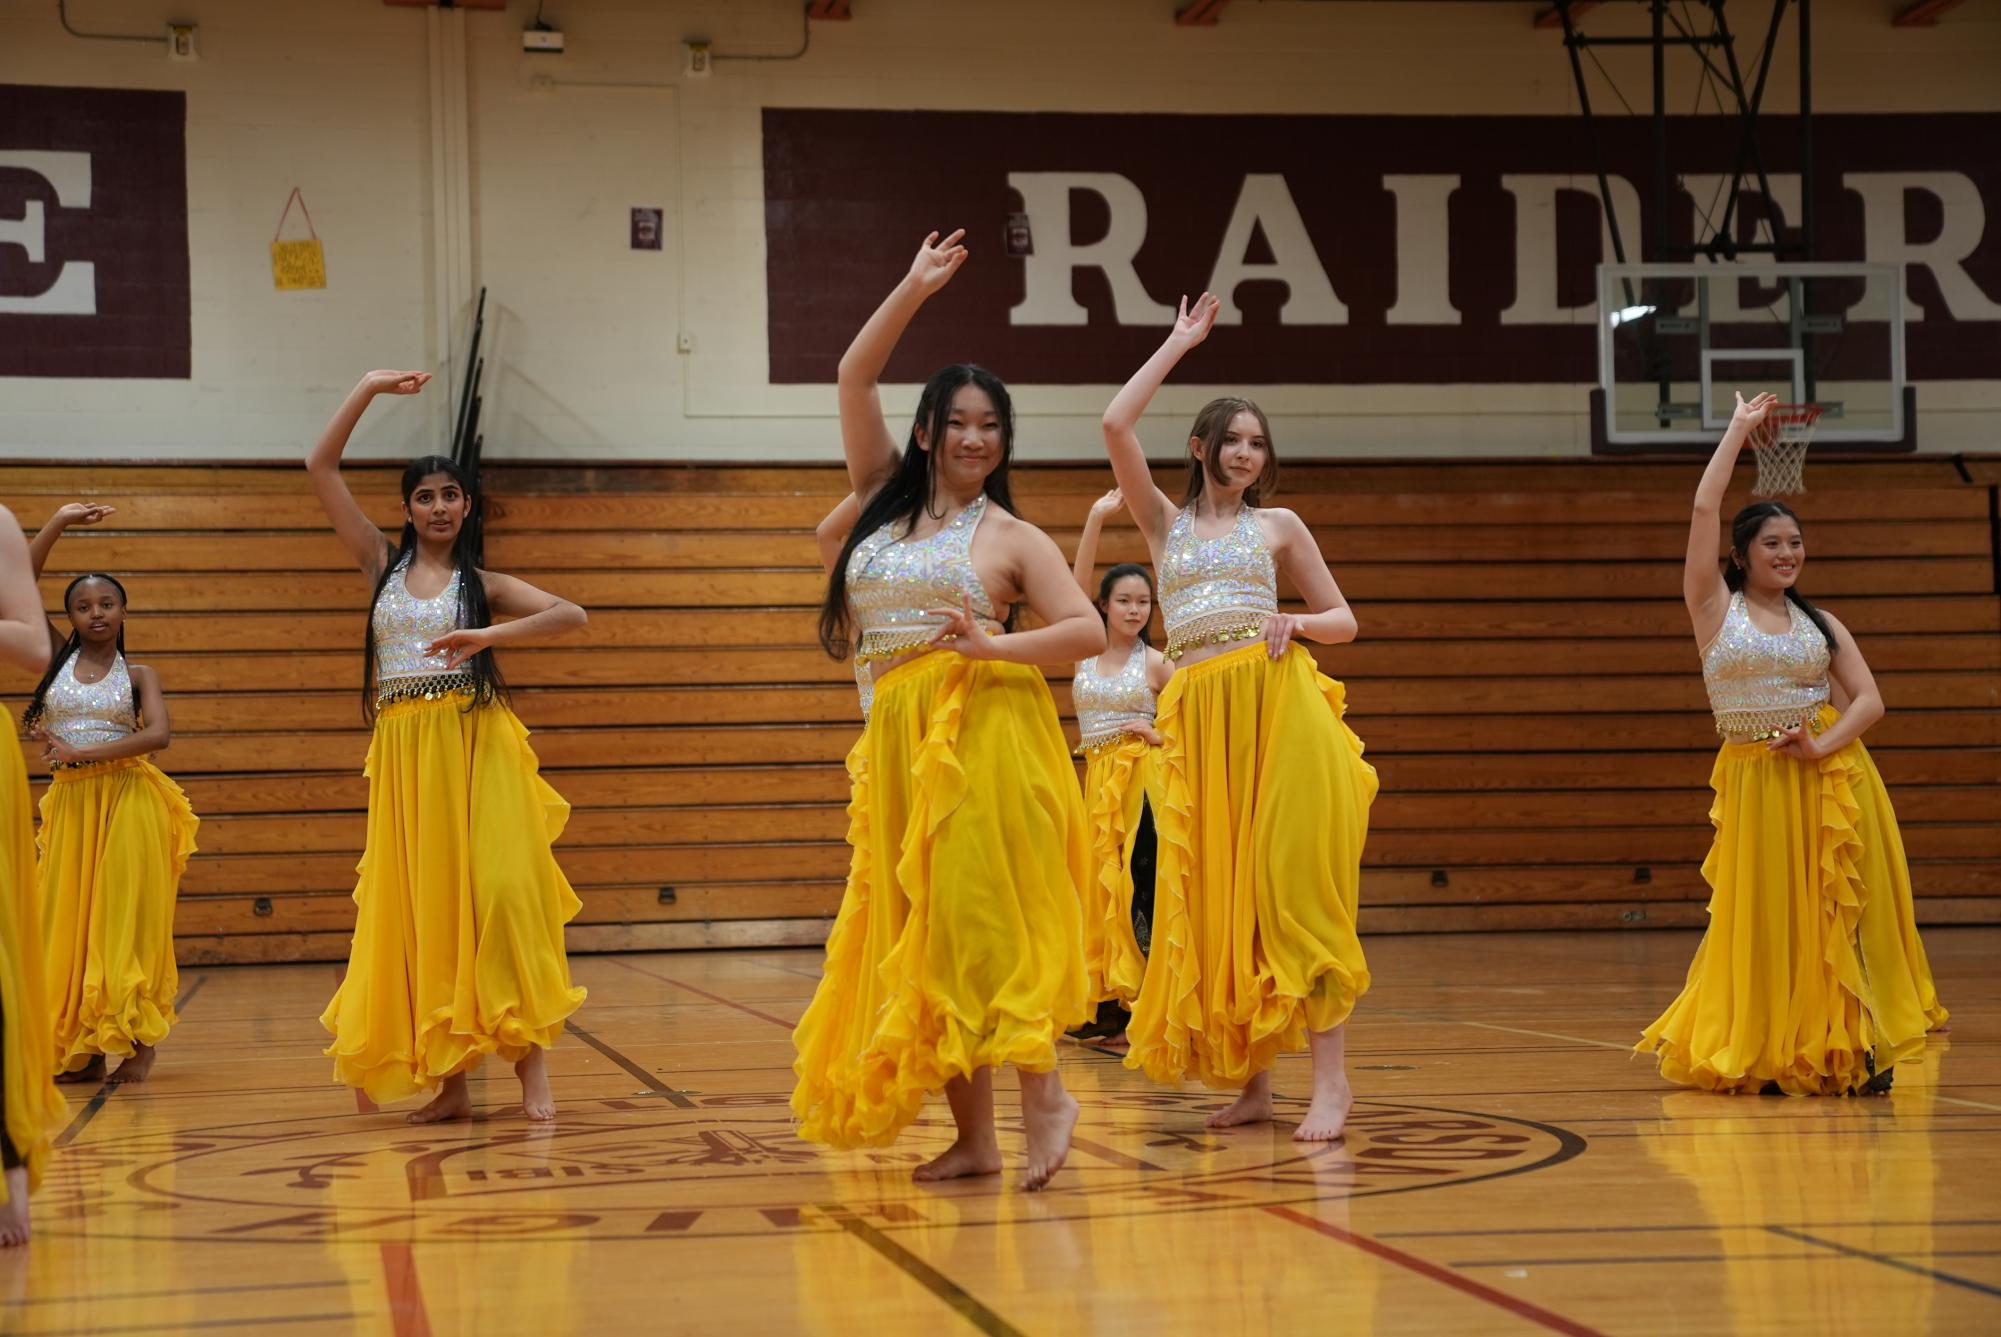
(1264, 812)
(959, 942)
(115, 839)
(1804, 975)
(1119, 778)
(1891, 948)
(459, 904)
(32, 1105)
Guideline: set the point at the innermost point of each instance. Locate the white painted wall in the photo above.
(383, 114)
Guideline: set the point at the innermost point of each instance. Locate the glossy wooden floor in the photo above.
(1509, 1169)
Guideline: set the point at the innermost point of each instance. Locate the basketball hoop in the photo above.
(1780, 443)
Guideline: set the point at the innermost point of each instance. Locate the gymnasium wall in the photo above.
(435, 157)
(1524, 682)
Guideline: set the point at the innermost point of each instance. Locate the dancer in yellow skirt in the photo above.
(460, 904)
(959, 945)
(1265, 796)
(1115, 696)
(1810, 979)
(30, 1105)
(116, 833)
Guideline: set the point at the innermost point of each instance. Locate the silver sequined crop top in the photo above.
(894, 584)
(84, 714)
(1759, 683)
(1215, 590)
(1106, 705)
(406, 625)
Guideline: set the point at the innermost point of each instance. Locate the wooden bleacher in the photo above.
(1525, 682)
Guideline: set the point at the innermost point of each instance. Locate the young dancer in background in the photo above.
(116, 832)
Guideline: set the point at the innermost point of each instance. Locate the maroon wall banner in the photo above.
(93, 232)
(1348, 249)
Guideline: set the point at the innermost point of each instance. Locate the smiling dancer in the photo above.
(959, 946)
(1810, 979)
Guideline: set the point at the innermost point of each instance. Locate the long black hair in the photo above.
(61, 658)
(1743, 533)
(907, 494)
(1212, 424)
(473, 611)
(1113, 577)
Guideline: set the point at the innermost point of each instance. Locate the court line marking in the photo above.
(1642, 1260)
(1465, 1285)
(191, 1290)
(712, 997)
(957, 1298)
(104, 1092)
(1787, 1232)
(1541, 1035)
(1111, 1155)
(1970, 1104)
(1978, 1223)
(651, 1082)
(189, 1325)
(407, 1315)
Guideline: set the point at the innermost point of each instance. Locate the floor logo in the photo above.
(730, 1165)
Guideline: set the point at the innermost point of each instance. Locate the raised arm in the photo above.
(1085, 569)
(532, 613)
(870, 447)
(24, 628)
(1152, 509)
(1328, 618)
(151, 736)
(363, 540)
(1702, 587)
(73, 513)
(832, 534)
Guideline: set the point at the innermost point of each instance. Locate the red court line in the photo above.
(712, 997)
(406, 1299)
(1465, 1285)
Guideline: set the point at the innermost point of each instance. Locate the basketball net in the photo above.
(1779, 444)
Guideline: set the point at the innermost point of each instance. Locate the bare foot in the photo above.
(1050, 1114)
(14, 1212)
(136, 1068)
(451, 1102)
(1253, 1106)
(961, 1160)
(1328, 1114)
(92, 1071)
(536, 1101)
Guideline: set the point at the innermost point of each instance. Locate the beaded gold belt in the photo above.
(1091, 747)
(110, 764)
(1232, 624)
(1759, 726)
(883, 643)
(430, 687)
